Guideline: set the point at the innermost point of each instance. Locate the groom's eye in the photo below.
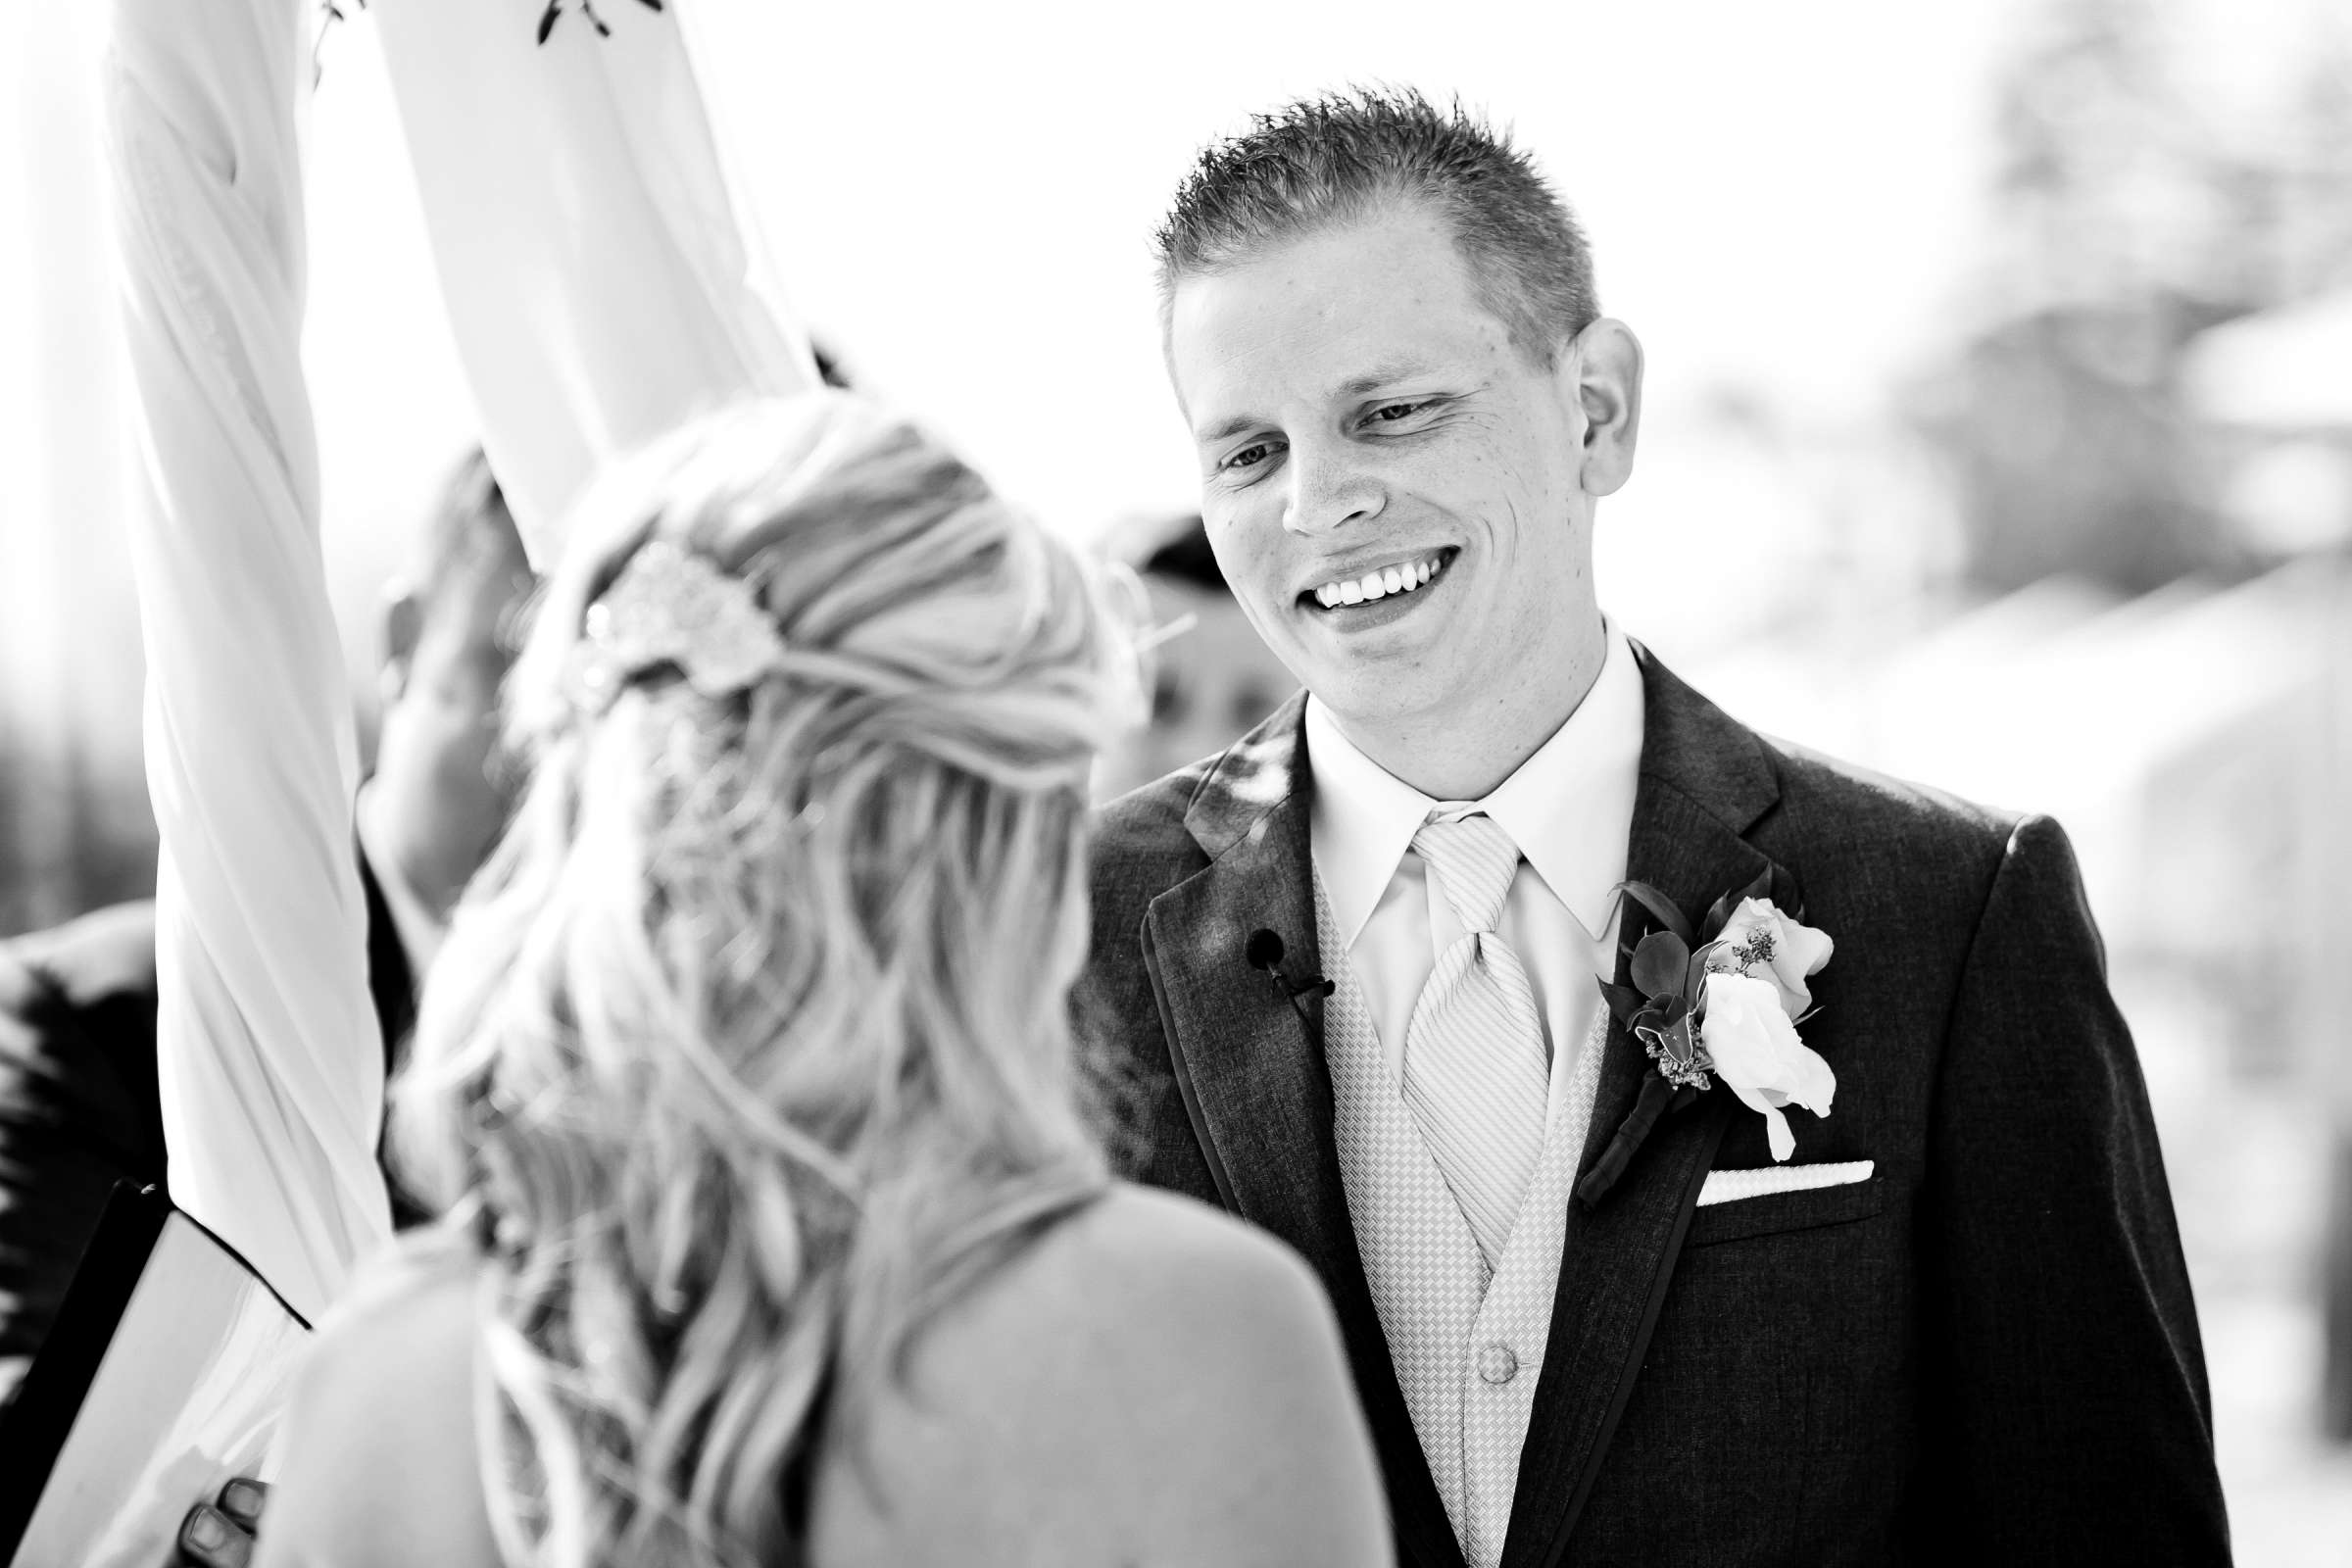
(1251, 456)
(1396, 412)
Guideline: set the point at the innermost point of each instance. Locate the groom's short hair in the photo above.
(1322, 162)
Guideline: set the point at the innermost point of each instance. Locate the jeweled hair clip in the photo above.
(672, 609)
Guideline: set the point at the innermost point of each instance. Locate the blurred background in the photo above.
(1998, 434)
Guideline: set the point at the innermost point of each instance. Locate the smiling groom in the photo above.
(1351, 965)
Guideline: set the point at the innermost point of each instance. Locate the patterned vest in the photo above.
(1468, 1347)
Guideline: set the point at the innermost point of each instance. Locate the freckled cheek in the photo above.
(1460, 478)
(1261, 583)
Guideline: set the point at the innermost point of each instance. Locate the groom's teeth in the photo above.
(1397, 580)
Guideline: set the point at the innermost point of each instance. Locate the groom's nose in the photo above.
(1328, 489)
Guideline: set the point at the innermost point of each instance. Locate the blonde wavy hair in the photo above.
(748, 1051)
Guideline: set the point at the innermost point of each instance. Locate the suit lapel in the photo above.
(1252, 1073)
(1704, 782)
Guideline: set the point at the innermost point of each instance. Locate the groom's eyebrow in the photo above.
(1386, 373)
(1228, 430)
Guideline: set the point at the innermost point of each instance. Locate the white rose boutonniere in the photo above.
(1759, 940)
(1720, 999)
(1752, 1047)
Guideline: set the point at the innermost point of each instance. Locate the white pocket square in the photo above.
(1730, 1185)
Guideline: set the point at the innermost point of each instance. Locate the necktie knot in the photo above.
(1473, 860)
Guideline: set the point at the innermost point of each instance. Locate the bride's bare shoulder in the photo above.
(1141, 1287)
(379, 1459)
(1153, 1243)
(1152, 1383)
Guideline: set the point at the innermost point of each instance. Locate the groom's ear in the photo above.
(404, 626)
(1606, 362)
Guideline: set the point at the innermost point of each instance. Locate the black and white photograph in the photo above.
(1516, 785)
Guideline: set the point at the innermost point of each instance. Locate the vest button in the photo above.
(1496, 1363)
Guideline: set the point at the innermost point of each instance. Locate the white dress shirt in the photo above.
(1570, 809)
(1469, 1341)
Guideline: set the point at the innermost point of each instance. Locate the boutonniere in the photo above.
(1719, 1001)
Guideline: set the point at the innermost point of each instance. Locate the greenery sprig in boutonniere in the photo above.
(1718, 1001)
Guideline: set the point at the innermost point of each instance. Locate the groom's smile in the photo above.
(1354, 589)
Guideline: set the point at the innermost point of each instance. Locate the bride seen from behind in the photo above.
(777, 1230)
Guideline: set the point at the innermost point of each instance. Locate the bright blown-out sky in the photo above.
(960, 198)
(1786, 201)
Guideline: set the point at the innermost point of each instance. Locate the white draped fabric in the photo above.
(600, 290)
(591, 262)
(267, 1047)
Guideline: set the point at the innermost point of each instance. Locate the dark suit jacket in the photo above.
(78, 1106)
(1986, 1353)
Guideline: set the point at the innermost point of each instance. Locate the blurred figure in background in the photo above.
(78, 1105)
(2335, 1299)
(438, 796)
(1213, 677)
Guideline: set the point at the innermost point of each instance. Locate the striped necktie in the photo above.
(1477, 1073)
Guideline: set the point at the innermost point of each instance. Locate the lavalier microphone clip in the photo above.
(1264, 951)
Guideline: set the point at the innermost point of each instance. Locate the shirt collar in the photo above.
(1569, 806)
